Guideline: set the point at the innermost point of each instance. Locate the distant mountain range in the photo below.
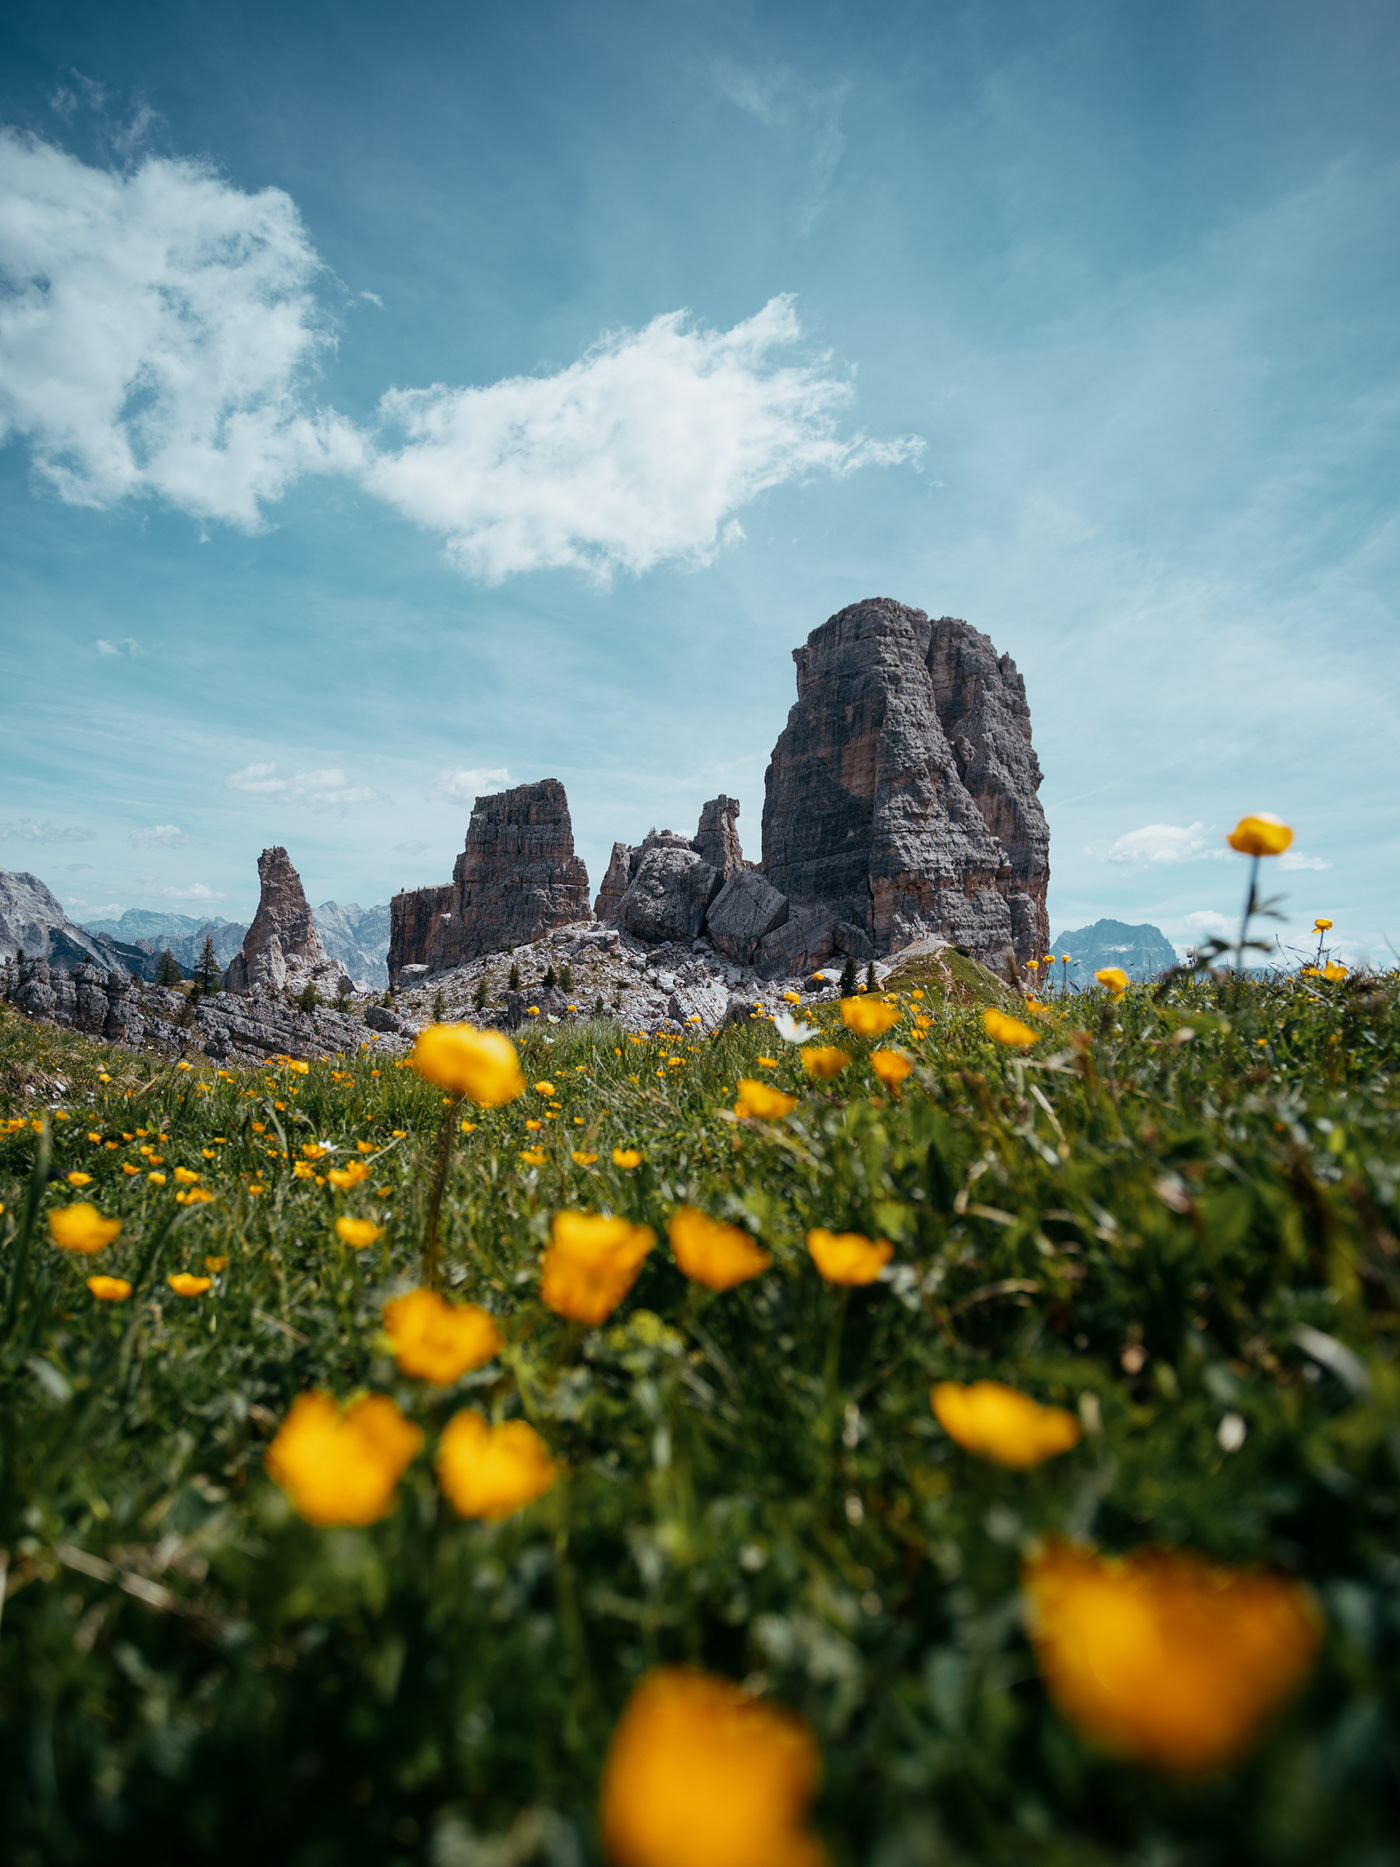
(1142, 952)
(357, 937)
(32, 922)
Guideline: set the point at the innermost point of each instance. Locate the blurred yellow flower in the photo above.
(1332, 971)
(891, 1066)
(342, 1467)
(467, 1127)
(760, 1100)
(215, 1265)
(713, 1253)
(298, 1069)
(481, 1065)
(492, 1471)
(1164, 1657)
(823, 1060)
(1260, 835)
(533, 1125)
(999, 1423)
(701, 1774)
(869, 1017)
(156, 1179)
(1113, 978)
(437, 1341)
(357, 1233)
(768, 1063)
(544, 1089)
(183, 1066)
(82, 1228)
(109, 1289)
(1007, 1030)
(1033, 965)
(590, 1264)
(186, 1284)
(1321, 926)
(353, 1173)
(127, 1168)
(848, 1257)
(303, 1170)
(533, 1010)
(313, 1150)
(193, 1196)
(792, 998)
(580, 1159)
(78, 1179)
(533, 1156)
(184, 1177)
(1065, 958)
(627, 1158)
(367, 1147)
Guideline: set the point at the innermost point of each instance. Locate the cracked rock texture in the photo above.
(282, 950)
(669, 891)
(517, 877)
(901, 796)
(717, 839)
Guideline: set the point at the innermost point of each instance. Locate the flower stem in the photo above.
(440, 1167)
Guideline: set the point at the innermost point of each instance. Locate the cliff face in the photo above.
(516, 878)
(282, 948)
(867, 812)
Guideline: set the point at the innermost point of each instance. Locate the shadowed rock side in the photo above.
(517, 877)
(868, 825)
(282, 949)
(717, 839)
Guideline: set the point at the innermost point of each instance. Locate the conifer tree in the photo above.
(308, 1000)
(168, 969)
(848, 977)
(549, 980)
(872, 984)
(514, 977)
(481, 993)
(207, 977)
(566, 977)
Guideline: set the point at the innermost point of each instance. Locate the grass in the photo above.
(1139, 1220)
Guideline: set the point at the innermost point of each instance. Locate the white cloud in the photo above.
(640, 452)
(326, 789)
(462, 786)
(126, 646)
(157, 328)
(1162, 842)
(197, 891)
(1206, 923)
(1295, 859)
(806, 114)
(159, 836)
(25, 830)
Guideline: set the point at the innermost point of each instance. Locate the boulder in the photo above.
(614, 884)
(744, 910)
(717, 839)
(799, 945)
(670, 891)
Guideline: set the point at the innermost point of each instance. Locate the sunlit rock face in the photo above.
(282, 950)
(901, 796)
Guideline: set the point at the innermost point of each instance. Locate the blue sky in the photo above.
(395, 398)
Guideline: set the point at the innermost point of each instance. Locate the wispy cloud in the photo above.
(326, 789)
(26, 830)
(197, 891)
(462, 786)
(1162, 842)
(808, 115)
(1206, 923)
(159, 836)
(1295, 859)
(128, 646)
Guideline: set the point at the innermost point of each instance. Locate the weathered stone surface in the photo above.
(282, 949)
(517, 877)
(33, 922)
(798, 944)
(717, 839)
(614, 884)
(380, 1018)
(743, 911)
(670, 890)
(866, 812)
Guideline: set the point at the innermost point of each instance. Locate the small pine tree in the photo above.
(168, 969)
(848, 977)
(342, 999)
(207, 977)
(566, 977)
(549, 979)
(514, 977)
(439, 1006)
(872, 984)
(598, 1006)
(308, 1000)
(481, 993)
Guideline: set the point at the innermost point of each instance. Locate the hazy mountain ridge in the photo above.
(1143, 952)
(357, 937)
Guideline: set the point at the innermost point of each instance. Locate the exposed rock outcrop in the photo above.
(869, 823)
(670, 889)
(517, 877)
(614, 885)
(282, 950)
(742, 913)
(33, 922)
(717, 839)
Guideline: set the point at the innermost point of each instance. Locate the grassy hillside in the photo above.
(1174, 1218)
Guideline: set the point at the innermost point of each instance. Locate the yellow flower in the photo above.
(1033, 965)
(700, 1774)
(1321, 926)
(364, 1147)
(303, 1170)
(215, 1265)
(342, 1468)
(848, 1257)
(298, 1069)
(713, 1253)
(354, 1173)
(78, 1179)
(768, 1063)
(127, 1168)
(185, 1284)
(481, 1065)
(759, 1100)
(467, 1127)
(533, 1010)
(627, 1158)
(82, 1228)
(544, 1089)
(1332, 971)
(1164, 1657)
(891, 1066)
(103, 1077)
(357, 1233)
(999, 1423)
(193, 1196)
(822, 1060)
(1260, 835)
(183, 1066)
(492, 1471)
(109, 1289)
(1113, 978)
(532, 1124)
(1007, 1030)
(580, 1159)
(313, 1150)
(590, 1264)
(185, 1177)
(438, 1341)
(156, 1179)
(868, 1017)
(793, 998)
(533, 1156)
